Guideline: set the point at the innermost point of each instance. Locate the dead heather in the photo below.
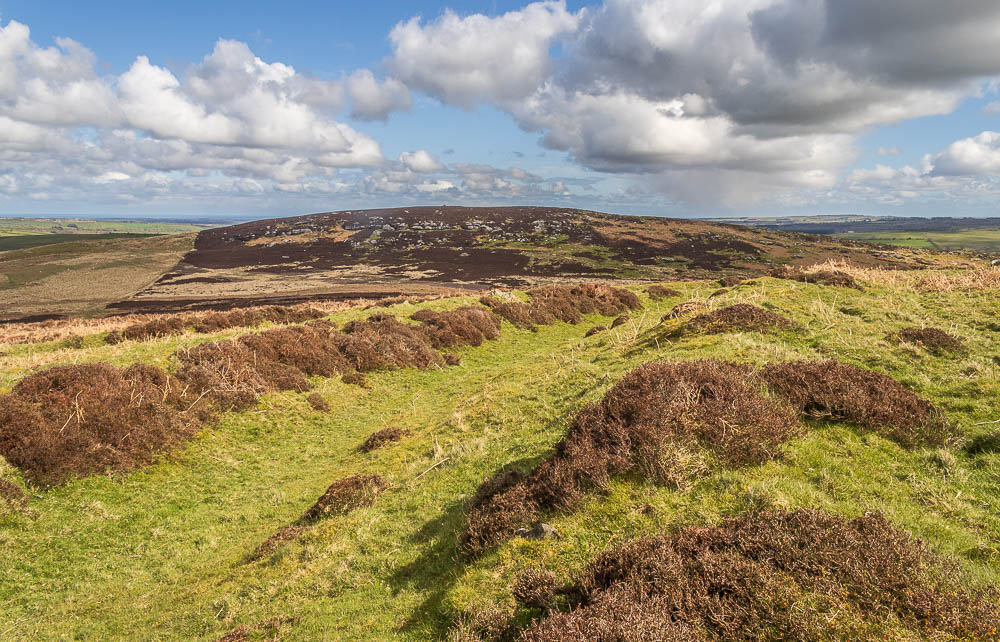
(72, 421)
(741, 317)
(801, 575)
(567, 303)
(660, 292)
(663, 419)
(933, 340)
(818, 275)
(317, 402)
(597, 329)
(345, 495)
(12, 495)
(382, 438)
(465, 326)
(207, 323)
(839, 391)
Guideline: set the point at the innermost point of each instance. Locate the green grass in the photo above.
(160, 553)
(979, 240)
(23, 241)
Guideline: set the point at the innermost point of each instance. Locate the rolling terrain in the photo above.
(430, 250)
(800, 446)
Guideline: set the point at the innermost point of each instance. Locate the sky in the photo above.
(686, 108)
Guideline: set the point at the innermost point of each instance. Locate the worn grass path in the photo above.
(161, 553)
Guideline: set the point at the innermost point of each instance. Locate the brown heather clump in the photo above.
(657, 420)
(659, 292)
(681, 309)
(843, 392)
(355, 378)
(802, 575)
(381, 342)
(286, 534)
(382, 438)
(77, 420)
(345, 495)
(622, 320)
(12, 495)
(466, 326)
(933, 340)
(535, 588)
(266, 630)
(597, 329)
(730, 281)
(214, 322)
(741, 317)
(819, 276)
(317, 402)
(567, 303)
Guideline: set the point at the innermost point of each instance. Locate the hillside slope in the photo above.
(423, 250)
(167, 552)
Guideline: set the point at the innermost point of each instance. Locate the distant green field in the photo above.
(24, 241)
(977, 240)
(36, 226)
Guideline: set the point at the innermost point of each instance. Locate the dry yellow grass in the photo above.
(930, 280)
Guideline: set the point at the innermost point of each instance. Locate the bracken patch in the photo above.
(802, 575)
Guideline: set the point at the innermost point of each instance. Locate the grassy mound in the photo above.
(801, 575)
(658, 419)
(741, 317)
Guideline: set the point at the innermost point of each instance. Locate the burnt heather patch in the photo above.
(673, 421)
(802, 575)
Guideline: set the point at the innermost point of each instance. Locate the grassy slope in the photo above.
(159, 553)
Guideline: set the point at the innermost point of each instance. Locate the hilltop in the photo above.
(425, 250)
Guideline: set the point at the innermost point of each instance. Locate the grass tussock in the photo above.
(741, 317)
(659, 420)
(165, 326)
(660, 292)
(931, 280)
(802, 575)
(382, 438)
(682, 309)
(345, 495)
(77, 420)
(842, 392)
(817, 274)
(933, 340)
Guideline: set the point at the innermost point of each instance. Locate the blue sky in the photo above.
(666, 107)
